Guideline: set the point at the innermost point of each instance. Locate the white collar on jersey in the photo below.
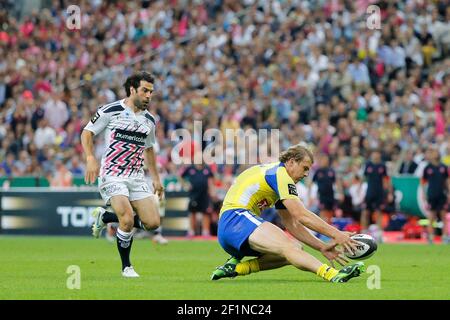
(129, 111)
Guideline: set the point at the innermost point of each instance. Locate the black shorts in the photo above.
(327, 204)
(437, 203)
(198, 204)
(374, 202)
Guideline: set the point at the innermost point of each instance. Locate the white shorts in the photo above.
(133, 188)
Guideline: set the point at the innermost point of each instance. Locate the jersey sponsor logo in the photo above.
(292, 189)
(95, 117)
(111, 189)
(130, 137)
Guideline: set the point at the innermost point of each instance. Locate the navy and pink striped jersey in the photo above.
(127, 135)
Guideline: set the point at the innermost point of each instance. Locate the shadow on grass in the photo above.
(262, 281)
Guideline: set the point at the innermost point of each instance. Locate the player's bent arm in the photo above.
(302, 215)
(299, 231)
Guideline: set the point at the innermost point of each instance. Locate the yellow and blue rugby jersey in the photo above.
(260, 187)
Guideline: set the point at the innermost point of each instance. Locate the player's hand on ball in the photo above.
(349, 233)
(92, 170)
(333, 253)
(366, 247)
(347, 243)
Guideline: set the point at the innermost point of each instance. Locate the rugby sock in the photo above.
(247, 267)
(124, 241)
(138, 223)
(112, 217)
(158, 230)
(109, 217)
(326, 272)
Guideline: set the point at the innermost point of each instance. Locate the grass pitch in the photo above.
(36, 268)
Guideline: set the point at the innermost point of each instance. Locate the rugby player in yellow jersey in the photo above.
(242, 232)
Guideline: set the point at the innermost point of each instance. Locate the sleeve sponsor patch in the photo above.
(95, 117)
(292, 189)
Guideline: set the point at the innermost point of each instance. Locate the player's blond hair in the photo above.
(297, 152)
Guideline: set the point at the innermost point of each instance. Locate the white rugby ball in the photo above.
(365, 249)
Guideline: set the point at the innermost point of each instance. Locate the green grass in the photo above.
(35, 268)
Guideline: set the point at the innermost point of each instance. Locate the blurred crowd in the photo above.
(312, 69)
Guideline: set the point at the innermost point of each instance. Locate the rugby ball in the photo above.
(365, 249)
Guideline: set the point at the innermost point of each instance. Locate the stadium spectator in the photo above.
(408, 166)
(8, 164)
(45, 135)
(23, 163)
(55, 111)
(60, 176)
(357, 192)
(75, 166)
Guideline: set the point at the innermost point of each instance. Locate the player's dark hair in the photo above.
(297, 152)
(135, 80)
